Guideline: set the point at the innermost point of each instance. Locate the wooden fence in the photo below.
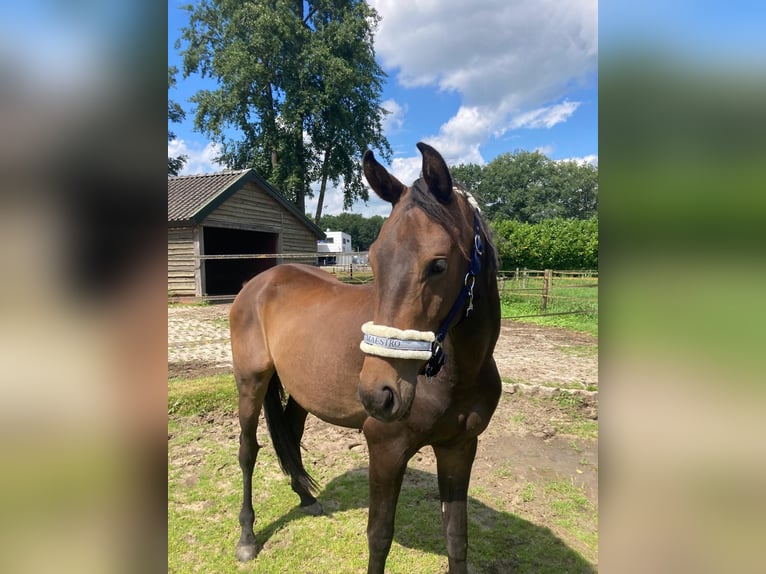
(558, 292)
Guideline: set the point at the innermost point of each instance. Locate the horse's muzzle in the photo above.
(383, 403)
(386, 394)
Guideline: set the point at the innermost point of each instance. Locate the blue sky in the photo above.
(474, 79)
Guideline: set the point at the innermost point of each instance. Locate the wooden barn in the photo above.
(229, 213)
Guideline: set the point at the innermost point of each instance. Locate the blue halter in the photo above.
(438, 358)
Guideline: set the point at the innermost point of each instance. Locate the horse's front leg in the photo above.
(388, 461)
(453, 466)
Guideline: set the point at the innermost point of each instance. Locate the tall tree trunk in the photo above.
(300, 191)
(271, 120)
(322, 187)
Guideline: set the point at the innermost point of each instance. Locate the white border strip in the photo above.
(370, 328)
(389, 333)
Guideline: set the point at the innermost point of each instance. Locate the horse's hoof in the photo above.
(314, 509)
(246, 552)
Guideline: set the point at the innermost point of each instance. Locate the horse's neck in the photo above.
(474, 336)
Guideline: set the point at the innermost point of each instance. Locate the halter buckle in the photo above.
(434, 364)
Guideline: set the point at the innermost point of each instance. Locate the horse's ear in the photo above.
(436, 173)
(383, 183)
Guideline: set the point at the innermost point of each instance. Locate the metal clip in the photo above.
(477, 244)
(470, 292)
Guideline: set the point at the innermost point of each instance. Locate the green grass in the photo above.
(505, 470)
(519, 299)
(556, 384)
(571, 420)
(526, 311)
(204, 497)
(220, 322)
(205, 394)
(575, 424)
(579, 350)
(573, 511)
(528, 492)
(358, 277)
(523, 301)
(175, 303)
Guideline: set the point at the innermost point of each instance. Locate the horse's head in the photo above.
(420, 260)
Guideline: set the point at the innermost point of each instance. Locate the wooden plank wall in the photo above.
(251, 208)
(181, 280)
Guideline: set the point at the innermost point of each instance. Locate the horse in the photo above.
(407, 359)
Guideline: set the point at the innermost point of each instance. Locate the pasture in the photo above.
(571, 296)
(532, 502)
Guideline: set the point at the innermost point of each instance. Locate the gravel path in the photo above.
(199, 334)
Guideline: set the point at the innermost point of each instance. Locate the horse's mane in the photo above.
(452, 220)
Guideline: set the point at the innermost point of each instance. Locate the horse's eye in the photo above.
(437, 266)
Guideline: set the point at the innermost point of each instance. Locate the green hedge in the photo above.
(551, 244)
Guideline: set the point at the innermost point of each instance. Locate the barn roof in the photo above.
(191, 198)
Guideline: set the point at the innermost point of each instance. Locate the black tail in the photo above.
(283, 437)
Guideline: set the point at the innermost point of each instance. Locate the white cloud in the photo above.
(513, 54)
(546, 150)
(505, 58)
(394, 120)
(458, 140)
(333, 203)
(545, 117)
(591, 159)
(406, 169)
(199, 159)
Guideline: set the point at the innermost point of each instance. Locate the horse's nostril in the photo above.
(388, 400)
(380, 403)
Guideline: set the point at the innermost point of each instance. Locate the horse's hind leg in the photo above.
(296, 418)
(252, 390)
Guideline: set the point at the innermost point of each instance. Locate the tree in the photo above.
(530, 187)
(468, 175)
(299, 89)
(515, 186)
(551, 244)
(175, 115)
(576, 185)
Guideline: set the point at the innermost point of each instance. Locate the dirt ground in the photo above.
(527, 439)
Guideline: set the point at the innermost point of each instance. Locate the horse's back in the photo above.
(267, 288)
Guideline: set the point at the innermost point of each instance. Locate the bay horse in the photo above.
(407, 359)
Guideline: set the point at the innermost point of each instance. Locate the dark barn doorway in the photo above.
(226, 276)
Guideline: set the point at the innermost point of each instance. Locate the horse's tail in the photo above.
(283, 437)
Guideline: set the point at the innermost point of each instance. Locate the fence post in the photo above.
(546, 289)
(524, 279)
